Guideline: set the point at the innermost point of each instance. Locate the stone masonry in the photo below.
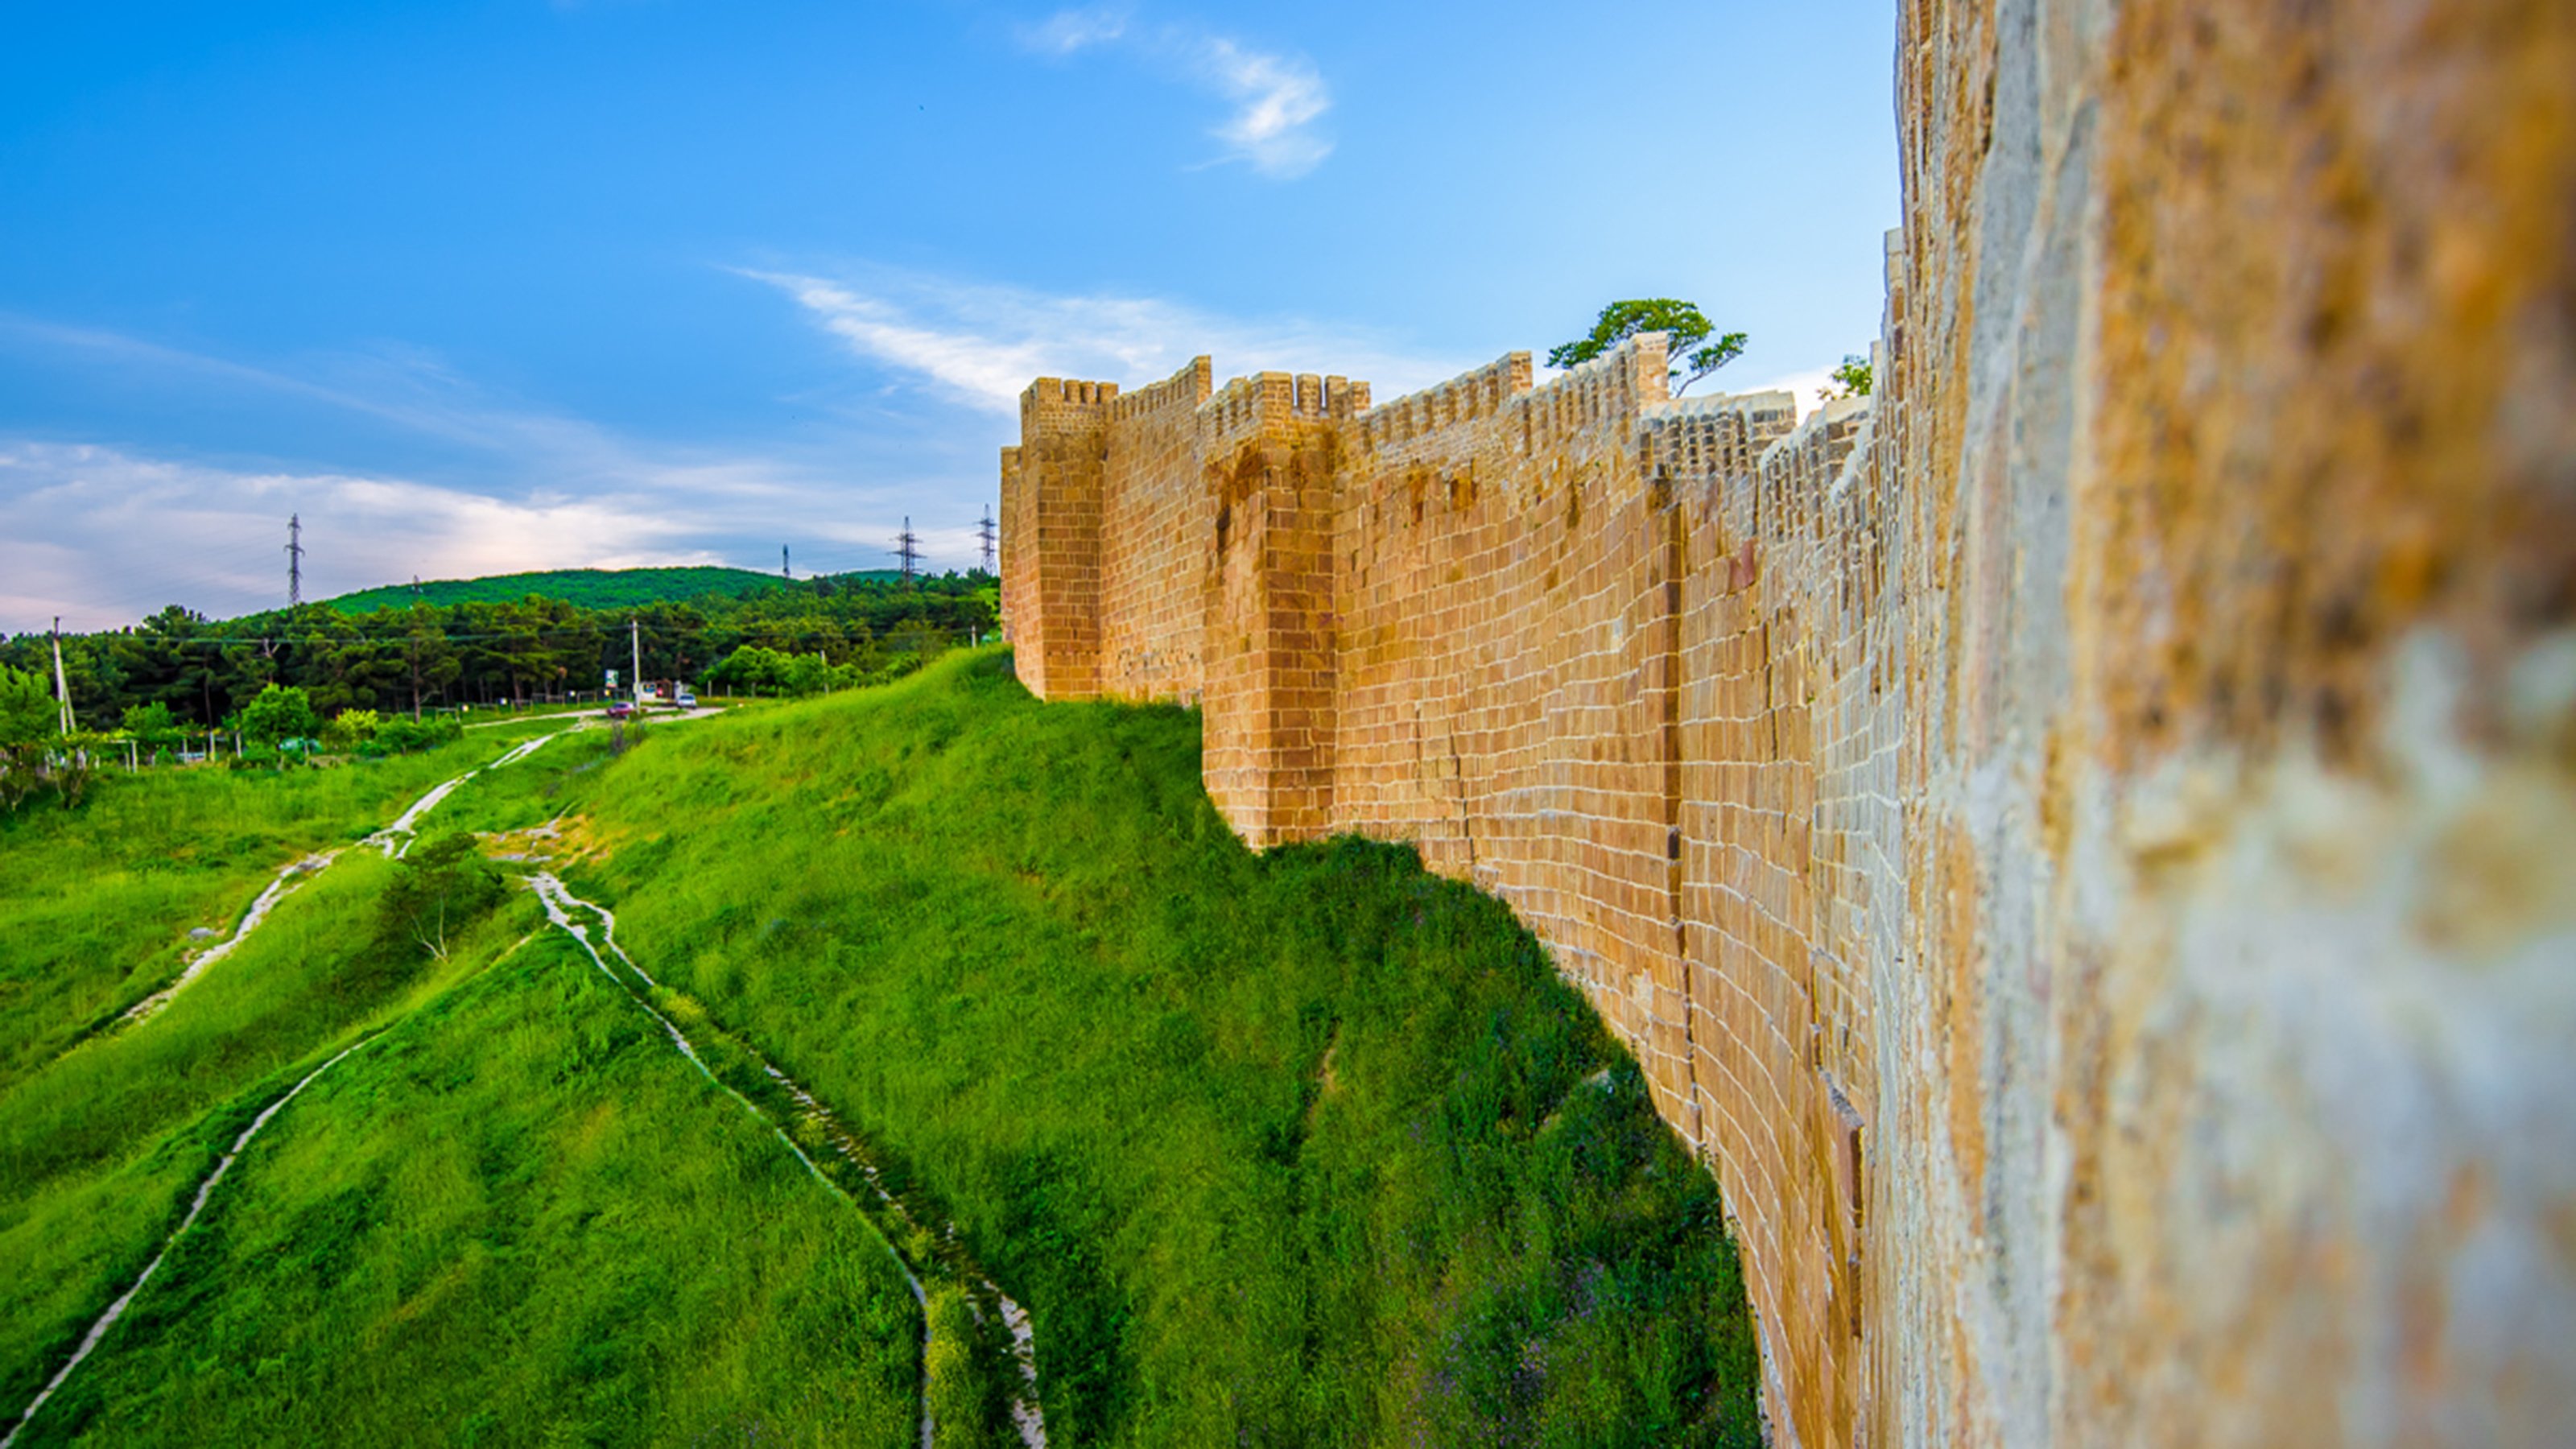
(2083, 843)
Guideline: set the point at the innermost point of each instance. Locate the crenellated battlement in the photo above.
(1186, 388)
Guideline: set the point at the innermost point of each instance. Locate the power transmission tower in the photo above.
(907, 547)
(985, 532)
(294, 560)
(782, 563)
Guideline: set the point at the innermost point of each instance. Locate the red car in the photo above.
(621, 709)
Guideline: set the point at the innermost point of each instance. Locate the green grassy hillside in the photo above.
(98, 904)
(1308, 1147)
(588, 588)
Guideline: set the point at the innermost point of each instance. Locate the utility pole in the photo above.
(294, 559)
(62, 690)
(984, 531)
(907, 547)
(635, 637)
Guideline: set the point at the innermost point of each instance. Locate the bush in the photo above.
(351, 729)
(153, 727)
(400, 736)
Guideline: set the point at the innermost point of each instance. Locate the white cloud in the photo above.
(1808, 385)
(1067, 31)
(982, 343)
(103, 536)
(103, 532)
(1277, 98)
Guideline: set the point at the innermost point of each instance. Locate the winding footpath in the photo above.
(278, 890)
(885, 1214)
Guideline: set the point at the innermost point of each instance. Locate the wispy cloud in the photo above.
(980, 343)
(1067, 31)
(1277, 98)
(103, 536)
(102, 531)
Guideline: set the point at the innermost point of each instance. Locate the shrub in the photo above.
(400, 736)
(351, 729)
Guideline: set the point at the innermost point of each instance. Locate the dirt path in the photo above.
(395, 839)
(591, 719)
(892, 1221)
(205, 1189)
(278, 890)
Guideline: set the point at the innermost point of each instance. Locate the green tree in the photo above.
(428, 658)
(153, 726)
(1686, 334)
(28, 721)
(279, 712)
(440, 886)
(1852, 379)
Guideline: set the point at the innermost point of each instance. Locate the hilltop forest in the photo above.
(431, 655)
(590, 588)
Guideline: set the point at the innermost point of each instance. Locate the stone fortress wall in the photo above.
(2084, 842)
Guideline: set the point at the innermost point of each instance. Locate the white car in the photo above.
(685, 700)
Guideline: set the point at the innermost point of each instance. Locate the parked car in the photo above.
(621, 709)
(685, 700)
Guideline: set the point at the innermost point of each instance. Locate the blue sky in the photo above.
(484, 286)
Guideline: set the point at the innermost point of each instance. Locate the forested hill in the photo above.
(584, 588)
(427, 655)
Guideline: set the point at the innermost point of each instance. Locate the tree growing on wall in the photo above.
(1852, 379)
(1686, 331)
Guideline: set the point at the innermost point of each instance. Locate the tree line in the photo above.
(432, 657)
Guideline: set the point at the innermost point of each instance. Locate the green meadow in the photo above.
(1307, 1147)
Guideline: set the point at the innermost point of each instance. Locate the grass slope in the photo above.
(99, 902)
(100, 1149)
(1310, 1147)
(519, 1217)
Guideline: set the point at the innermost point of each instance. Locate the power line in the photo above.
(907, 549)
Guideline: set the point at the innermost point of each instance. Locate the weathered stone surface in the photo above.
(2084, 843)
